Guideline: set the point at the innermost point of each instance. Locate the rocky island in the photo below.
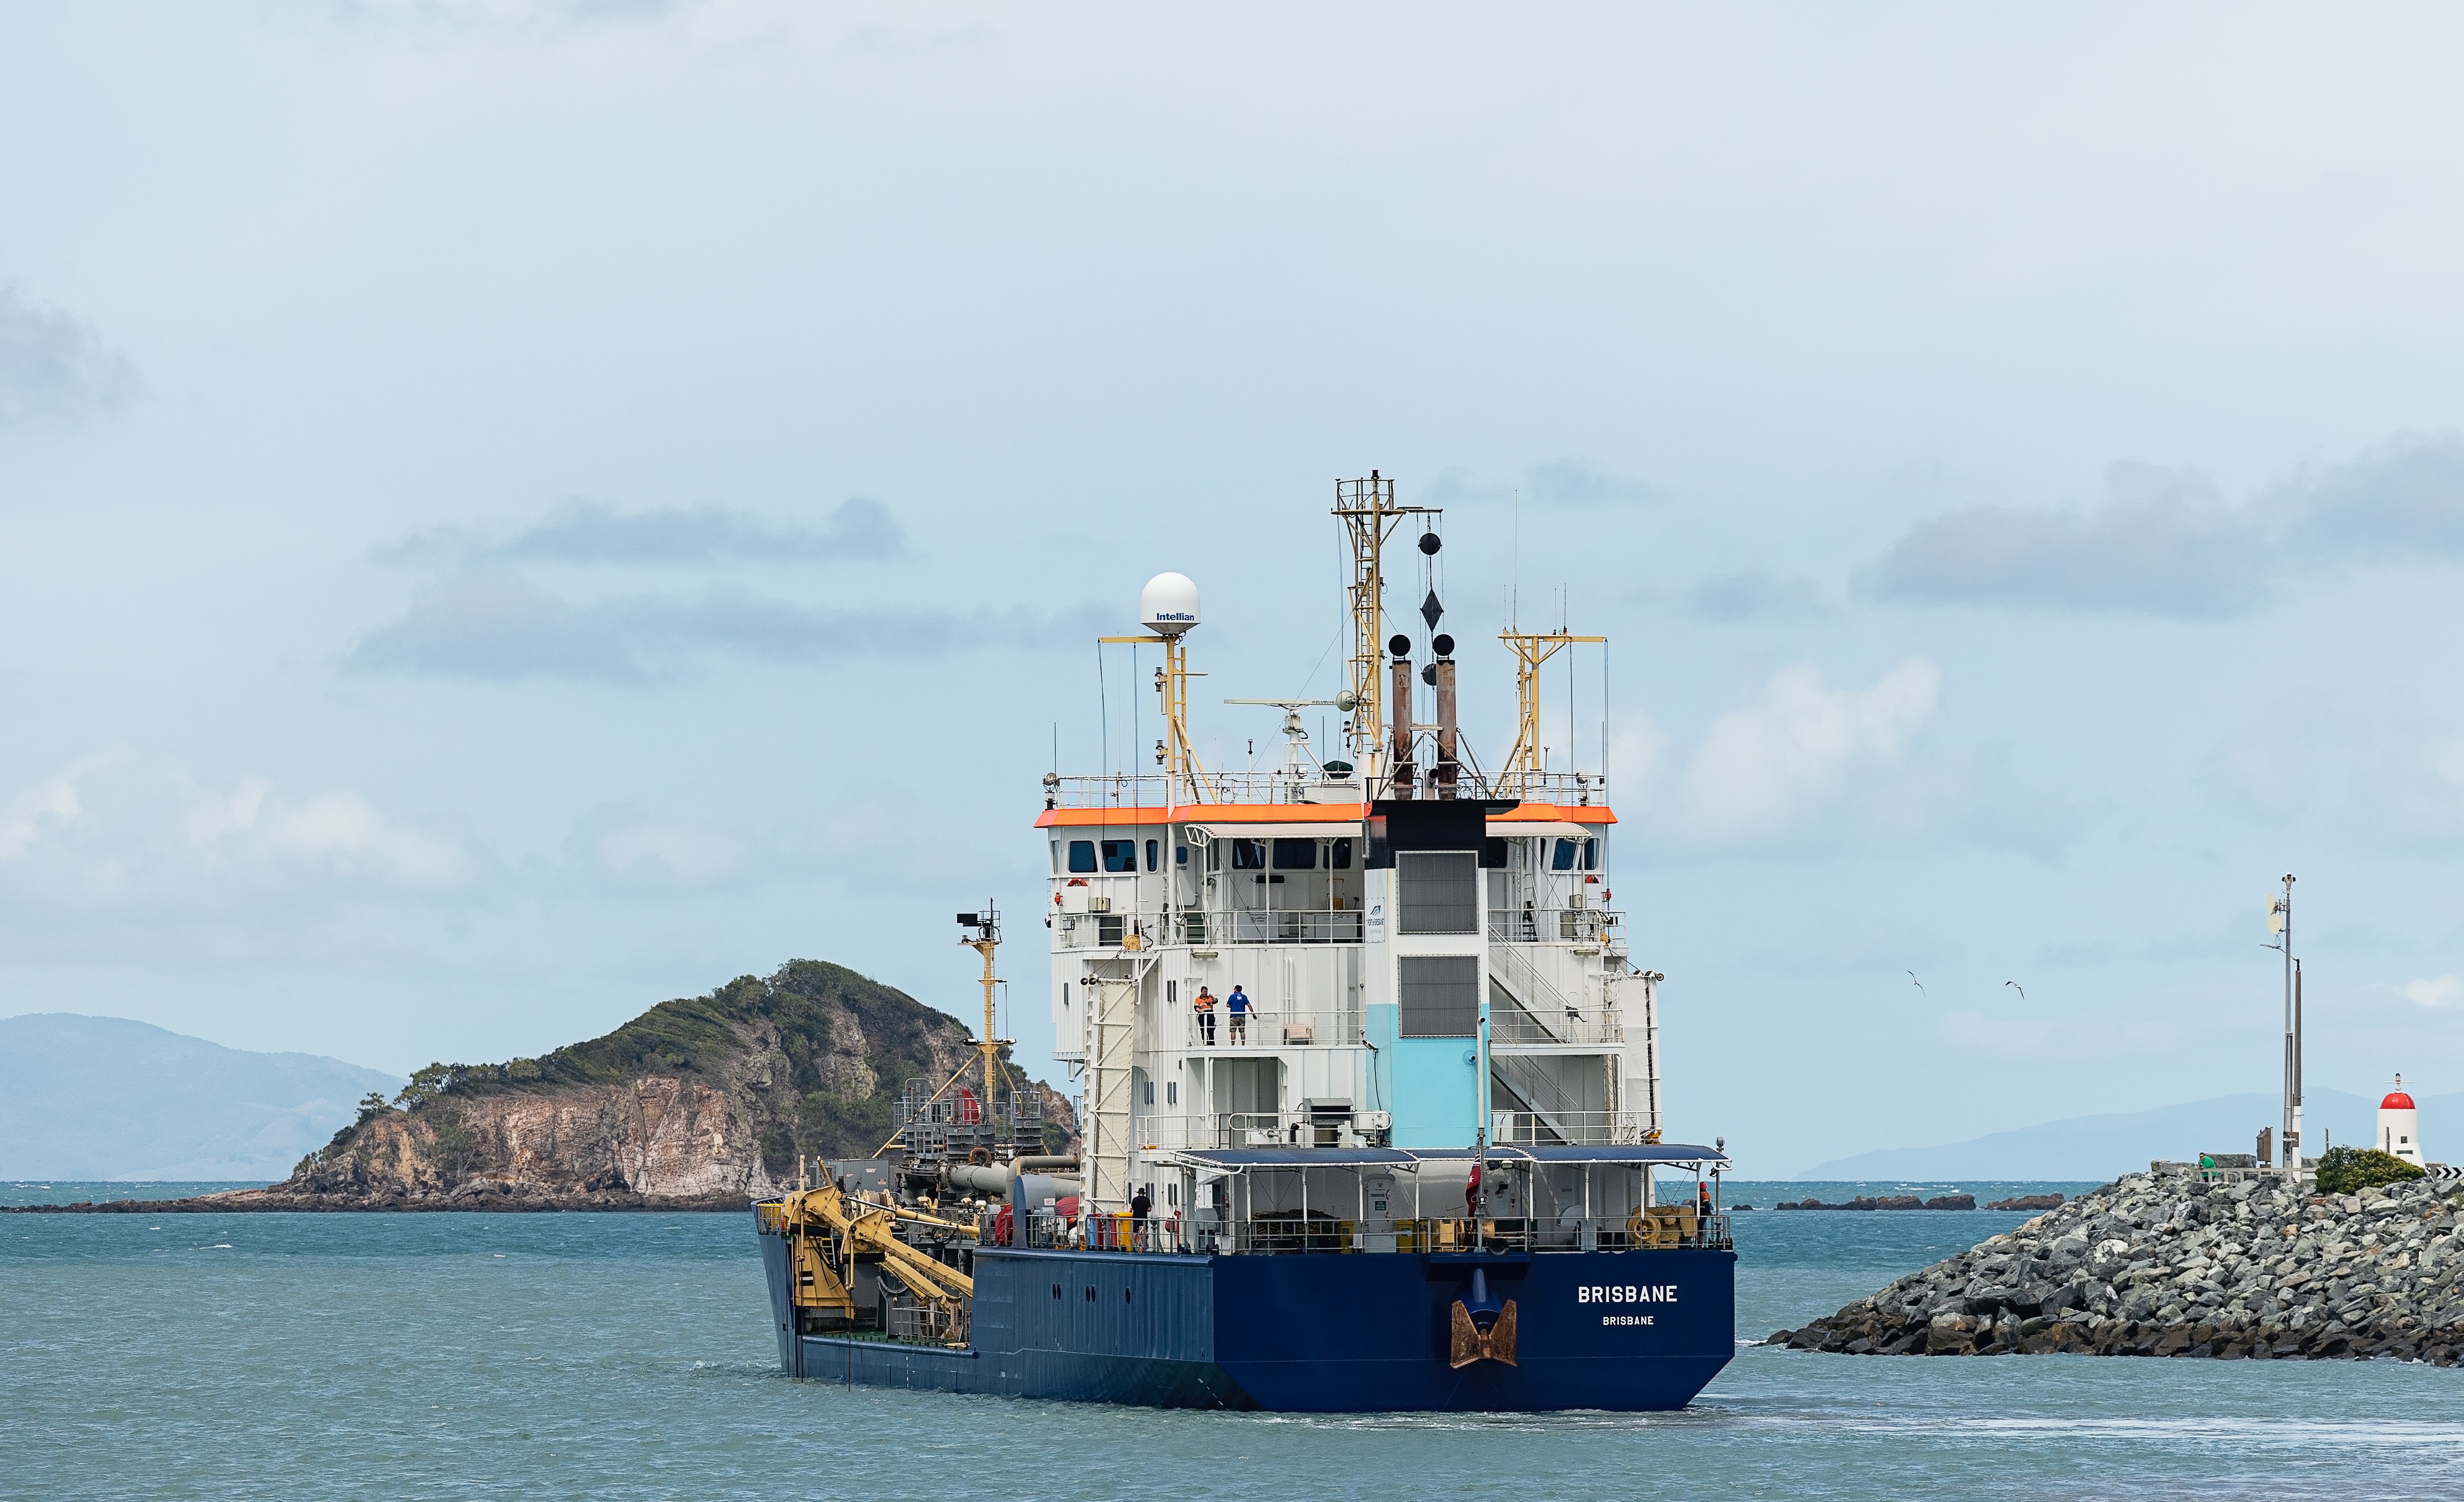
(700, 1103)
(2171, 1264)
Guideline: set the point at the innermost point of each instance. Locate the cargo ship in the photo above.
(1369, 1081)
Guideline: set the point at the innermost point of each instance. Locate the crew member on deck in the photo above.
(1205, 1005)
(1237, 1005)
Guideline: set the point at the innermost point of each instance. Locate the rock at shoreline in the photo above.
(2028, 1202)
(2169, 1265)
(703, 1103)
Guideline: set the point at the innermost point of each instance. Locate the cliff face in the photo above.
(706, 1100)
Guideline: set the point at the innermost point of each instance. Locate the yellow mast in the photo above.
(1370, 517)
(1530, 649)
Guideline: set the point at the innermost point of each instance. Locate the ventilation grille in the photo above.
(1439, 996)
(1440, 891)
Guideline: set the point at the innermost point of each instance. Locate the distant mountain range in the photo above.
(2103, 1147)
(104, 1097)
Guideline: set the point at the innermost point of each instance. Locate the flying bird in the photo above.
(1913, 980)
(2016, 986)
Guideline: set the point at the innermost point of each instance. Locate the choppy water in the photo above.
(629, 1356)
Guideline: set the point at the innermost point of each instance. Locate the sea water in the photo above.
(630, 1355)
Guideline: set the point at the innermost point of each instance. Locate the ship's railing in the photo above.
(1556, 787)
(911, 1319)
(1569, 1128)
(1269, 1028)
(1269, 926)
(1667, 1228)
(1546, 1014)
(1577, 926)
(1156, 791)
(1199, 928)
(1509, 1027)
(1230, 1129)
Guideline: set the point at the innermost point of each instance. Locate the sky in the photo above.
(513, 511)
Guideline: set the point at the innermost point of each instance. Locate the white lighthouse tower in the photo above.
(2400, 1125)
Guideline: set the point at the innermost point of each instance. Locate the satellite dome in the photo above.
(1168, 606)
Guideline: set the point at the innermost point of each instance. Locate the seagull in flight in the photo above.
(1913, 980)
(2016, 986)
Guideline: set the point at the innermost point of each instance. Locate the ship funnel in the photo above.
(1168, 606)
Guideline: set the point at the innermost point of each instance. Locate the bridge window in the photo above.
(1338, 855)
(1575, 855)
(1296, 854)
(1082, 856)
(1121, 856)
(1249, 854)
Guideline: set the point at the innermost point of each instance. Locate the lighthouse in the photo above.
(2400, 1125)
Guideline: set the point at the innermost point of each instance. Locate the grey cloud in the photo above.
(2164, 543)
(53, 365)
(1760, 595)
(1568, 481)
(1579, 482)
(595, 532)
(2405, 499)
(488, 621)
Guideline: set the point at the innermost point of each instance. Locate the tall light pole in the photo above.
(2279, 922)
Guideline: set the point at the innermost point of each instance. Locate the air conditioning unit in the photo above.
(1099, 904)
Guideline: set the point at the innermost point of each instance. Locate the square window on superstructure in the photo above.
(1249, 854)
(1338, 855)
(1081, 856)
(1121, 856)
(1296, 854)
(1565, 855)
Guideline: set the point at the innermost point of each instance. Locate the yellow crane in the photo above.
(826, 1230)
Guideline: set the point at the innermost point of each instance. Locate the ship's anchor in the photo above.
(1472, 1343)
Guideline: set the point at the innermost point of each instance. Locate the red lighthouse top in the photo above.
(2397, 1100)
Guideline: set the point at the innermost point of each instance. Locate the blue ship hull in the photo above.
(1626, 1330)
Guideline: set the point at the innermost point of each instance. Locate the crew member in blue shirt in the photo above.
(1237, 1005)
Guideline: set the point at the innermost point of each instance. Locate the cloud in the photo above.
(2404, 499)
(595, 532)
(1758, 769)
(2442, 992)
(117, 828)
(2003, 1037)
(1760, 595)
(54, 367)
(1568, 481)
(2165, 543)
(627, 848)
(489, 622)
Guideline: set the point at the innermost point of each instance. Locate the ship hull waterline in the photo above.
(1619, 1331)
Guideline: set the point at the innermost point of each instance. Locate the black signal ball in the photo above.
(1430, 543)
(1429, 675)
(1399, 646)
(1442, 645)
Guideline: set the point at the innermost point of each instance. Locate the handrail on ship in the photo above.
(1666, 1227)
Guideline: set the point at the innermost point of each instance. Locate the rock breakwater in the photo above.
(2169, 1265)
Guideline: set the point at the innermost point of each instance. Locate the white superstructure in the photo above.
(1392, 915)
